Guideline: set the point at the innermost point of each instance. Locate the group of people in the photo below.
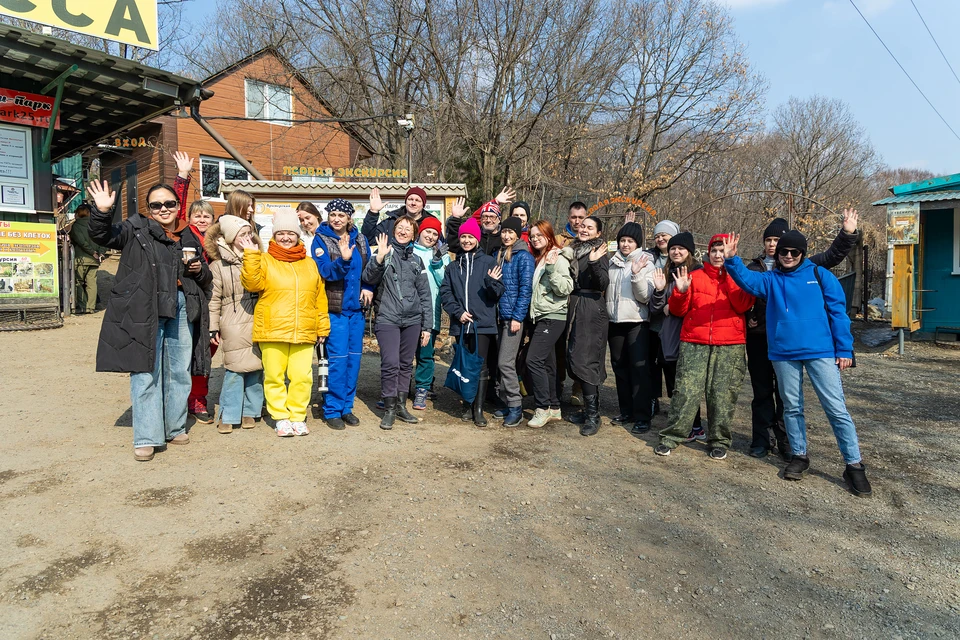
(534, 304)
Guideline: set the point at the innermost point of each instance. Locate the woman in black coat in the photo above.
(587, 318)
(156, 311)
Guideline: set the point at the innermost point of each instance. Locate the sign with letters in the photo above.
(20, 107)
(128, 21)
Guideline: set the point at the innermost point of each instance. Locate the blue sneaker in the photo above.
(513, 417)
(500, 414)
(420, 400)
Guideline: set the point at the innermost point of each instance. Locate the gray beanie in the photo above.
(666, 226)
(231, 226)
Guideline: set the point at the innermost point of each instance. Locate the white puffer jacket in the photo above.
(628, 292)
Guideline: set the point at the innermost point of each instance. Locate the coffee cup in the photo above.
(189, 253)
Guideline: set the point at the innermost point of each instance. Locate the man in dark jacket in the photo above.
(488, 216)
(86, 262)
(414, 202)
(767, 406)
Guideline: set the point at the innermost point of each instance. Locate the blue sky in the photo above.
(805, 47)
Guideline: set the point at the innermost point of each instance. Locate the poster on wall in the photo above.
(266, 209)
(21, 107)
(16, 169)
(903, 223)
(28, 260)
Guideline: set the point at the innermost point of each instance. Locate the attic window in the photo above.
(269, 102)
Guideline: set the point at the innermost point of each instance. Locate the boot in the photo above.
(467, 414)
(389, 413)
(478, 418)
(591, 412)
(856, 479)
(402, 412)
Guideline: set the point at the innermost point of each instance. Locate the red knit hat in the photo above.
(720, 237)
(429, 222)
(416, 191)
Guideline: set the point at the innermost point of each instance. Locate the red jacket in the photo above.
(712, 308)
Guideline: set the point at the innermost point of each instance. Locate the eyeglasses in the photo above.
(793, 253)
(168, 204)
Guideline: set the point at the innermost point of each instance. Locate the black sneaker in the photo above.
(621, 419)
(336, 424)
(201, 416)
(796, 467)
(350, 419)
(758, 452)
(639, 427)
(717, 453)
(662, 450)
(856, 479)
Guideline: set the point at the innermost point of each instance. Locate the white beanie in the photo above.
(666, 226)
(286, 221)
(231, 226)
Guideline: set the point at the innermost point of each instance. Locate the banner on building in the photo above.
(128, 21)
(31, 109)
(28, 260)
(903, 223)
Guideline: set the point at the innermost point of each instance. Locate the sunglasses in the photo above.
(156, 206)
(793, 253)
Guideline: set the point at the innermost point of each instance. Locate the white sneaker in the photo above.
(539, 419)
(300, 428)
(285, 428)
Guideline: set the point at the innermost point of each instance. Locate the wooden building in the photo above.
(262, 86)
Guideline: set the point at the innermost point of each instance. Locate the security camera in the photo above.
(406, 122)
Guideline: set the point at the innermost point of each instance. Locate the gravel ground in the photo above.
(442, 530)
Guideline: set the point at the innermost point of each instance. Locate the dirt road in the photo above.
(442, 530)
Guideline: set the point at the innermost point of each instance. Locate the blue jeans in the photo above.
(159, 397)
(825, 377)
(241, 396)
(344, 348)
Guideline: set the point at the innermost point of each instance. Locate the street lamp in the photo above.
(407, 124)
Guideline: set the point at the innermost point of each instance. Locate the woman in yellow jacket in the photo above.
(290, 318)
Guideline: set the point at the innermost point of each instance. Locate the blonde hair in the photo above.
(237, 204)
(201, 205)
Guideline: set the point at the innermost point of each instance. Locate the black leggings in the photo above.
(588, 389)
(485, 347)
(542, 362)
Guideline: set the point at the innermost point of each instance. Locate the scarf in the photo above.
(299, 252)
(581, 248)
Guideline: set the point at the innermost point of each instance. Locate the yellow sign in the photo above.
(128, 21)
(343, 172)
(28, 259)
(637, 202)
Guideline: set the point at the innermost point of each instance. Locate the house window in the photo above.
(267, 101)
(213, 171)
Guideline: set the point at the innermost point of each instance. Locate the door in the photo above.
(939, 298)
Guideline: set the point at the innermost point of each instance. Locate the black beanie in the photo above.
(792, 239)
(683, 239)
(776, 228)
(513, 223)
(632, 230)
(520, 204)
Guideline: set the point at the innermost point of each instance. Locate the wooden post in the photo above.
(902, 303)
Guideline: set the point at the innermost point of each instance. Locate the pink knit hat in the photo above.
(470, 228)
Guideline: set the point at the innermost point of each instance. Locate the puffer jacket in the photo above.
(517, 283)
(435, 259)
(468, 287)
(402, 296)
(293, 303)
(231, 306)
(628, 293)
(712, 308)
(341, 278)
(552, 284)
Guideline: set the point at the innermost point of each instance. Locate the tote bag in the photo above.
(463, 376)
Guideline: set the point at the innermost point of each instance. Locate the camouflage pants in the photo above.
(717, 371)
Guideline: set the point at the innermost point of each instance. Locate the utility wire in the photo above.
(935, 41)
(304, 120)
(915, 85)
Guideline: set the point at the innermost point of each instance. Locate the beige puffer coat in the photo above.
(231, 306)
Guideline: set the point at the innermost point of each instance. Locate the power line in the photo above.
(915, 85)
(935, 41)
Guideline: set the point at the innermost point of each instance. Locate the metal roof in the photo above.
(930, 196)
(391, 189)
(103, 97)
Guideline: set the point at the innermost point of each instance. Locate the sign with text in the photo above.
(28, 260)
(903, 223)
(20, 107)
(127, 21)
(344, 172)
(16, 169)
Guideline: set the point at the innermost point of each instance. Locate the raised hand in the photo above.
(552, 255)
(103, 196)
(598, 253)
(506, 195)
(383, 247)
(246, 242)
(682, 280)
(458, 208)
(640, 263)
(659, 279)
(376, 204)
(346, 249)
(495, 273)
(630, 217)
(184, 163)
(850, 218)
(730, 245)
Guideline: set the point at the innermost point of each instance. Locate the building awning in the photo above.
(103, 97)
(931, 196)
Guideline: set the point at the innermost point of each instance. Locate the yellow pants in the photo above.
(296, 362)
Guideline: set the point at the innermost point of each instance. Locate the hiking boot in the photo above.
(717, 453)
(420, 400)
(621, 419)
(796, 467)
(540, 418)
(402, 412)
(336, 423)
(758, 452)
(390, 413)
(696, 434)
(640, 427)
(467, 412)
(350, 419)
(856, 479)
(591, 412)
(514, 417)
(662, 450)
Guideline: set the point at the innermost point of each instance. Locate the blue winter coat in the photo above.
(806, 318)
(517, 282)
(340, 276)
